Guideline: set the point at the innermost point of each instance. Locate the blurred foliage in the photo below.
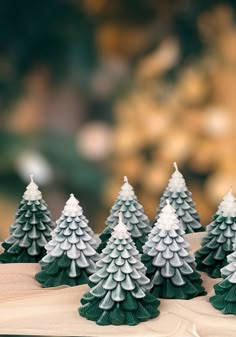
(39, 34)
(181, 107)
(154, 72)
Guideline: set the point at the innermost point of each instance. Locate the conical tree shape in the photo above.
(181, 199)
(225, 291)
(71, 254)
(218, 242)
(118, 293)
(30, 231)
(169, 266)
(133, 216)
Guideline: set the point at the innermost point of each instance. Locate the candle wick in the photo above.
(168, 202)
(175, 166)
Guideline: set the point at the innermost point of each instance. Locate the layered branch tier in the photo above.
(170, 267)
(71, 254)
(219, 240)
(181, 199)
(119, 288)
(30, 231)
(225, 291)
(133, 216)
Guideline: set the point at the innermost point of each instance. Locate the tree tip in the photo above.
(32, 177)
(125, 179)
(175, 166)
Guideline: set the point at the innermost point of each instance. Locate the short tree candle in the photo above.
(71, 254)
(181, 199)
(170, 267)
(225, 291)
(31, 229)
(133, 217)
(219, 240)
(119, 288)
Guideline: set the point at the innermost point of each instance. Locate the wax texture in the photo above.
(170, 267)
(133, 217)
(30, 231)
(119, 288)
(71, 254)
(225, 291)
(219, 240)
(181, 199)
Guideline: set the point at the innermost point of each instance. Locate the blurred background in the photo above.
(92, 90)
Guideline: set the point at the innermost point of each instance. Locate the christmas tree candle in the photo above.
(31, 229)
(170, 267)
(118, 293)
(133, 216)
(219, 240)
(71, 254)
(181, 199)
(225, 291)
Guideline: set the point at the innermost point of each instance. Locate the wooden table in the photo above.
(26, 308)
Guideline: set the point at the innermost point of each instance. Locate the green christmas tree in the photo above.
(119, 288)
(225, 291)
(133, 216)
(218, 242)
(170, 267)
(181, 199)
(30, 231)
(71, 254)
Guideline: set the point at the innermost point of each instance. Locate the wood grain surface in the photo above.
(26, 308)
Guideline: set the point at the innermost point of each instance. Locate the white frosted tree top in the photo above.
(126, 191)
(72, 207)
(120, 231)
(168, 218)
(228, 205)
(177, 182)
(32, 192)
